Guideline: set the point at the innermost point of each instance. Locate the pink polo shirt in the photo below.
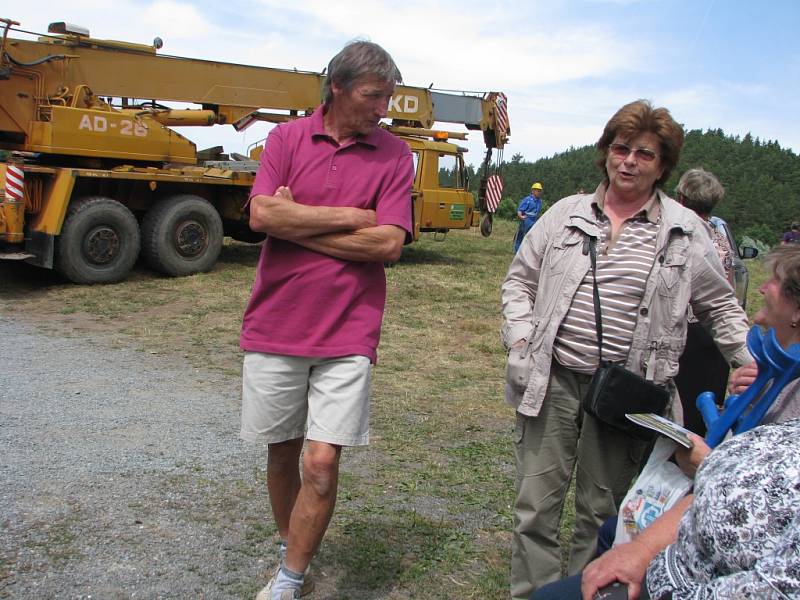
(309, 304)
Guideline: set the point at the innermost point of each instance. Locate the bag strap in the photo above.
(596, 296)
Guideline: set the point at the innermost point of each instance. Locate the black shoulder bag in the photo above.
(615, 391)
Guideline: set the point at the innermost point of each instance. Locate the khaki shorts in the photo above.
(287, 397)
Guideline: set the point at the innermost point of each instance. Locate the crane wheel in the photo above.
(181, 235)
(99, 242)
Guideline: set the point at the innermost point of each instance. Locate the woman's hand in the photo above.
(742, 378)
(626, 563)
(689, 459)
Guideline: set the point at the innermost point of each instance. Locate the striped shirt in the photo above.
(623, 264)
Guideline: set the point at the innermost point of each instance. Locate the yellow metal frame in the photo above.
(56, 200)
(108, 134)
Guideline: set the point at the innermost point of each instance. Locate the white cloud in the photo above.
(176, 20)
(566, 65)
(452, 46)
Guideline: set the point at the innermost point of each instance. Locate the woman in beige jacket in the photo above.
(654, 259)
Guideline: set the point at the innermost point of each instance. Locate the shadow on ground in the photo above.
(239, 253)
(367, 557)
(19, 279)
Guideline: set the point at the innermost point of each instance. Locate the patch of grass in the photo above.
(57, 540)
(426, 510)
(401, 550)
(758, 275)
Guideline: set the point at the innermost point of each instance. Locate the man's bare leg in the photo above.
(283, 481)
(314, 504)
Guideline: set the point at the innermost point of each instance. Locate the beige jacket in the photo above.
(551, 263)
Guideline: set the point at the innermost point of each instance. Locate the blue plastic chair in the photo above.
(776, 368)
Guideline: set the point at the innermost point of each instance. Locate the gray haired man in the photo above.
(333, 193)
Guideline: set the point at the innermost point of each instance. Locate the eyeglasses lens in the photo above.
(622, 151)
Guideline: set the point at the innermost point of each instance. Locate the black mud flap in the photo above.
(486, 224)
(40, 246)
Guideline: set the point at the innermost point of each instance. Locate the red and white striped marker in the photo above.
(15, 183)
(494, 192)
(502, 112)
(244, 122)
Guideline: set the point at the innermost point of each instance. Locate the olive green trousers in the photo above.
(549, 448)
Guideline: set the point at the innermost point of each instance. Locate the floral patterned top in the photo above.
(724, 251)
(741, 536)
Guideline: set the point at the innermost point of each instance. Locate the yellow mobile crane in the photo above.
(94, 174)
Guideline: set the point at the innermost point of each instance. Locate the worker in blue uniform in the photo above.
(528, 212)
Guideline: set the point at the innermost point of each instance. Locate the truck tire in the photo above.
(99, 242)
(182, 235)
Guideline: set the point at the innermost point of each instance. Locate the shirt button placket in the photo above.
(333, 173)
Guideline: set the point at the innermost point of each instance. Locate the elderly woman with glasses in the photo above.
(654, 259)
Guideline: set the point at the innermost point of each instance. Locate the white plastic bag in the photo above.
(659, 486)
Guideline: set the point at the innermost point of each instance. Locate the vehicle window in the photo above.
(451, 171)
(731, 239)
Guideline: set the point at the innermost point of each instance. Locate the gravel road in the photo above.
(122, 475)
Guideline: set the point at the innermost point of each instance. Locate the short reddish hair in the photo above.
(640, 117)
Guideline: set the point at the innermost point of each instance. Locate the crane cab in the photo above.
(440, 197)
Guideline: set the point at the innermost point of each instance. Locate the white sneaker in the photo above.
(266, 592)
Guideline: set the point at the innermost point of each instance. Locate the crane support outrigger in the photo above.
(95, 174)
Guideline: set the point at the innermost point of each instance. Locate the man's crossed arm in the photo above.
(343, 232)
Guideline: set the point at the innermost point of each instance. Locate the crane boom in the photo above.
(75, 68)
(95, 172)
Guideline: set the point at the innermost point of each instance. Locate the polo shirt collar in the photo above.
(318, 129)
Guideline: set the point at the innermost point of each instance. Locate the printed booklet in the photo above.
(663, 426)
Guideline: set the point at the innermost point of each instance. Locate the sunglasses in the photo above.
(623, 151)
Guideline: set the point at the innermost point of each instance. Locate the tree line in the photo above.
(761, 179)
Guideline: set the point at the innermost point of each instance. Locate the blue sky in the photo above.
(565, 65)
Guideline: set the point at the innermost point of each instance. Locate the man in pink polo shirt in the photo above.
(333, 194)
